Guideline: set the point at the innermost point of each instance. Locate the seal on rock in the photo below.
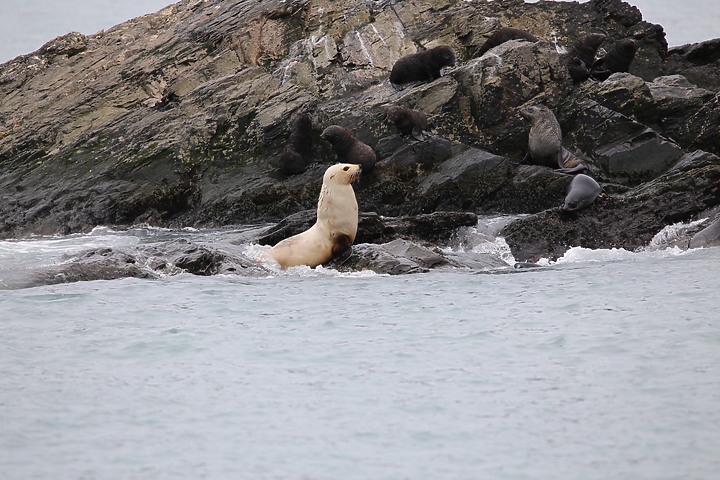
(336, 225)
(423, 66)
(296, 155)
(581, 56)
(581, 193)
(707, 237)
(618, 59)
(545, 141)
(505, 34)
(408, 122)
(348, 148)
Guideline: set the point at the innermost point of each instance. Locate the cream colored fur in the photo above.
(337, 221)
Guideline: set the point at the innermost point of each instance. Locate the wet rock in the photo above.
(177, 117)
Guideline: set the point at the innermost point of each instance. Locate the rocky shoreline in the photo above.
(178, 119)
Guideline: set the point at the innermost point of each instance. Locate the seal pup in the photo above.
(618, 59)
(336, 225)
(707, 237)
(581, 193)
(545, 141)
(348, 148)
(505, 34)
(408, 122)
(581, 56)
(296, 155)
(423, 66)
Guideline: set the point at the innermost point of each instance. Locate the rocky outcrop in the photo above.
(178, 118)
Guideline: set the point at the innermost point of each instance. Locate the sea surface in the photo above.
(602, 365)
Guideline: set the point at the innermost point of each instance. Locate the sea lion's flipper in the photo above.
(397, 86)
(418, 134)
(528, 158)
(576, 169)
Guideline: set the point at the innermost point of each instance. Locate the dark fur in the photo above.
(504, 34)
(408, 122)
(545, 141)
(349, 149)
(422, 66)
(618, 59)
(581, 57)
(297, 154)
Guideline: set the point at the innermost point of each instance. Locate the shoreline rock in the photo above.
(177, 119)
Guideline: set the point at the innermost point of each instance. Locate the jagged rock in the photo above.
(625, 221)
(698, 62)
(175, 117)
(434, 227)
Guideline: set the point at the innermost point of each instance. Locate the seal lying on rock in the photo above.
(581, 57)
(423, 66)
(581, 193)
(618, 59)
(707, 237)
(336, 225)
(408, 122)
(505, 34)
(296, 155)
(545, 141)
(348, 148)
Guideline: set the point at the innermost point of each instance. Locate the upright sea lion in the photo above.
(581, 56)
(423, 66)
(336, 225)
(348, 148)
(408, 122)
(504, 34)
(296, 155)
(545, 141)
(618, 59)
(581, 193)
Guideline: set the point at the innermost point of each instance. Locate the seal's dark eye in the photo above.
(345, 169)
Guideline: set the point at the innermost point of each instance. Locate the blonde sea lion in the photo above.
(336, 225)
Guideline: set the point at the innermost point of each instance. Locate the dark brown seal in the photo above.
(297, 153)
(581, 56)
(348, 148)
(505, 34)
(618, 59)
(545, 141)
(408, 122)
(423, 66)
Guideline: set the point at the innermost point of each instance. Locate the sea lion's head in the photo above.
(337, 136)
(443, 55)
(396, 115)
(342, 173)
(534, 112)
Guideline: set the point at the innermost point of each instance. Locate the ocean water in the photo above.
(604, 364)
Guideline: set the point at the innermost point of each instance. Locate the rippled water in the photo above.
(603, 365)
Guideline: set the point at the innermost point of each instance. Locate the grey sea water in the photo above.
(604, 364)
